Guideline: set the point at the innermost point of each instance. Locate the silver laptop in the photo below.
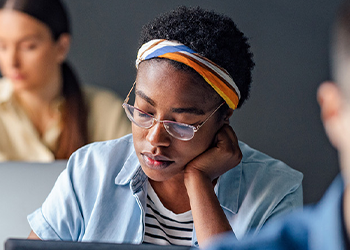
(23, 188)
(22, 244)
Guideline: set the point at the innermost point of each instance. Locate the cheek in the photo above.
(40, 65)
(205, 138)
(44, 60)
(6, 61)
(191, 149)
(2, 60)
(43, 56)
(139, 136)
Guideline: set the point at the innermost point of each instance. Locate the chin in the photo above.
(159, 175)
(20, 85)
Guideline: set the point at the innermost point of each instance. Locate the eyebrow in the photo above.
(27, 38)
(191, 110)
(145, 97)
(188, 110)
(31, 37)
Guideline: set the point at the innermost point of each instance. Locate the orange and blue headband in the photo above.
(217, 77)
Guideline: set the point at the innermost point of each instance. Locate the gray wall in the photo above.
(290, 42)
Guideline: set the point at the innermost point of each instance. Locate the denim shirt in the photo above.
(101, 195)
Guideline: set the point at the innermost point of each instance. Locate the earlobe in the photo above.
(227, 116)
(329, 99)
(63, 45)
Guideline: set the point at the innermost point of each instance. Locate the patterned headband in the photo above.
(213, 74)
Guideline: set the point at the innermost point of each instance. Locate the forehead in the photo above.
(159, 79)
(15, 24)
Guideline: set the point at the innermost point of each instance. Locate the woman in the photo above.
(44, 113)
(180, 178)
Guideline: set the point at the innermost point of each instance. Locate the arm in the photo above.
(59, 217)
(209, 218)
(33, 236)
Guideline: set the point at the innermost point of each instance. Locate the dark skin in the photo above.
(183, 173)
(188, 168)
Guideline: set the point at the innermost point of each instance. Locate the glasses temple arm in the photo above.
(127, 97)
(200, 125)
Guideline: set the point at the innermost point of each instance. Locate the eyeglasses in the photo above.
(181, 131)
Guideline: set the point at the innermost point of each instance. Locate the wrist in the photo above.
(197, 180)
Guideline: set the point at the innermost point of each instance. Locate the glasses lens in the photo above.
(179, 130)
(138, 117)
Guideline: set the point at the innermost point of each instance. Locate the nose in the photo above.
(158, 136)
(13, 58)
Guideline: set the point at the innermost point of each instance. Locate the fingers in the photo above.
(226, 133)
(224, 155)
(227, 140)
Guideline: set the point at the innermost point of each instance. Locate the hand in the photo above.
(199, 177)
(223, 156)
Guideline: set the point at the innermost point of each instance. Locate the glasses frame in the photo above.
(195, 128)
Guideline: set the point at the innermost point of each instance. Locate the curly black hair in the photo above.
(212, 35)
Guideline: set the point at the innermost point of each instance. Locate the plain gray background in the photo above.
(290, 42)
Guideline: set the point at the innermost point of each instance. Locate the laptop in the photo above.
(23, 188)
(25, 244)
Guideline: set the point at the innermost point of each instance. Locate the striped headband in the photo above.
(213, 74)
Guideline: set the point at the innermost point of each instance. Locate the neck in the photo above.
(173, 194)
(39, 104)
(35, 99)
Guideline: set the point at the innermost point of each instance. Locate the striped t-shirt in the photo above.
(163, 227)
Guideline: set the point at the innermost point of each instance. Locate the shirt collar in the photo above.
(131, 172)
(6, 90)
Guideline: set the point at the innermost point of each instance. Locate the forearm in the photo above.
(208, 216)
(33, 236)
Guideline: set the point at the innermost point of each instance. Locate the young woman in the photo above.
(182, 176)
(44, 113)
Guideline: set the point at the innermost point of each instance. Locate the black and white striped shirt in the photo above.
(163, 227)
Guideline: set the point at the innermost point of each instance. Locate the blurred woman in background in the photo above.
(44, 112)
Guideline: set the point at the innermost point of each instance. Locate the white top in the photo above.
(20, 141)
(162, 226)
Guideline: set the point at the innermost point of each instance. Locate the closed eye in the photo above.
(143, 115)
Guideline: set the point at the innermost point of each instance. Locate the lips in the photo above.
(156, 161)
(17, 76)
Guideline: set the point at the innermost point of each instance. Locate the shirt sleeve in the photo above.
(292, 201)
(60, 217)
(285, 194)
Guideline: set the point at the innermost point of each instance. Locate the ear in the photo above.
(329, 99)
(227, 116)
(63, 45)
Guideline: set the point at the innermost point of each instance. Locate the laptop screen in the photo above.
(25, 244)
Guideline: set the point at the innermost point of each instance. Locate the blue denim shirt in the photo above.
(318, 227)
(101, 195)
